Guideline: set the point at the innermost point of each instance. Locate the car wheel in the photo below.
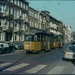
(27, 52)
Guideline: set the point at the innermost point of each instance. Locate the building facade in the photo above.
(13, 19)
(44, 18)
(33, 17)
(67, 35)
(16, 16)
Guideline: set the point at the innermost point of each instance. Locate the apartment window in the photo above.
(21, 4)
(29, 13)
(1, 8)
(35, 24)
(0, 23)
(15, 36)
(21, 25)
(11, 10)
(18, 2)
(11, 23)
(15, 1)
(6, 22)
(7, 8)
(21, 36)
(11, 1)
(0, 35)
(32, 14)
(21, 14)
(25, 26)
(35, 16)
(15, 12)
(15, 23)
(26, 7)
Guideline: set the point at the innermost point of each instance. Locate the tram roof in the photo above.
(33, 32)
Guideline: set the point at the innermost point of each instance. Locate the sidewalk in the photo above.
(18, 50)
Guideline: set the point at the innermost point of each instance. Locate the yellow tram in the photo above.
(36, 41)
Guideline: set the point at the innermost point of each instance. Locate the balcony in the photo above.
(11, 28)
(21, 30)
(16, 29)
(21, 18)
(26, 20)
(11, 15)
(5, 27)
(1, 13)
(16, 17)
(5, 14)
(1, 28)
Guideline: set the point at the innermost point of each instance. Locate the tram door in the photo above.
(48, 41)
(52, 42)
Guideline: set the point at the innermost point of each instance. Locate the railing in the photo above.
(5, 27)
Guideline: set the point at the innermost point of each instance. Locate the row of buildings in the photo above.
(16, 16)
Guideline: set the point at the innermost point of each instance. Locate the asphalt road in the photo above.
(51, 62)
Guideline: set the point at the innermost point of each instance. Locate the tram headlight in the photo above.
(26, 45)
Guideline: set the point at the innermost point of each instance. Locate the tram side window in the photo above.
(55, 38)
(46, 38)
(28, 38)
(43, 38)
(35, 37)
(38, 37)
(52, 39)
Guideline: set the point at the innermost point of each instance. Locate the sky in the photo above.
(63, 10)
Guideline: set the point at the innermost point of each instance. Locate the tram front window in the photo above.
(28, 37)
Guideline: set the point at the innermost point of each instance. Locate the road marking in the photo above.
(4, 64)
(73, 72)
(16, 67)
(56, 70)
(35, 69)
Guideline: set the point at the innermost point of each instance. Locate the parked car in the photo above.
(4, 47)
(70, 52)
(11, 46)
(73, 42)
(18, 45)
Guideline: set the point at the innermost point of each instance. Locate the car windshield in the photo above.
(71, 47)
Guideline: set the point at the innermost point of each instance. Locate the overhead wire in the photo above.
(59, 12)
